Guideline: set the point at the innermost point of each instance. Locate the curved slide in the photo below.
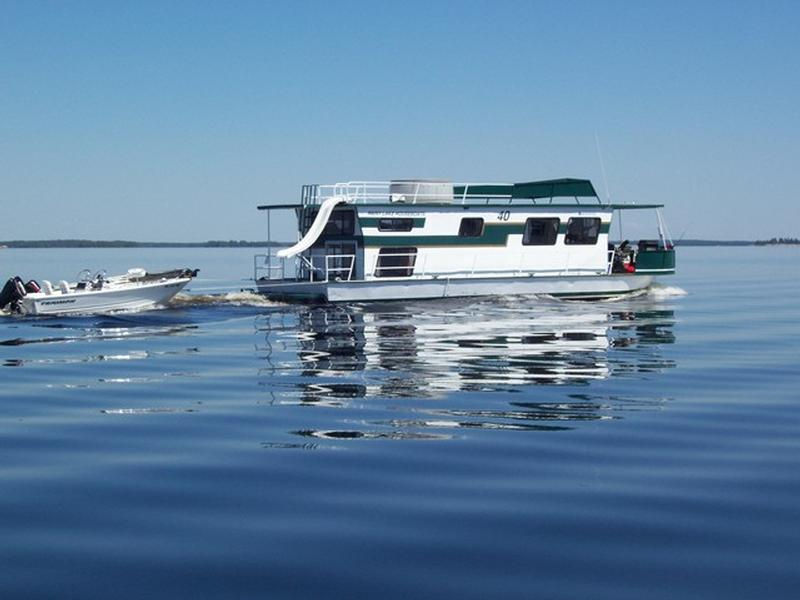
(316, 229)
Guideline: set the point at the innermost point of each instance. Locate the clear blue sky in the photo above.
(173, 120)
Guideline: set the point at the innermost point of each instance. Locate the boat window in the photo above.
(341, 222)
(396, 262)
(540, 232)
(582, 230)
(395, 224)
(471, 227)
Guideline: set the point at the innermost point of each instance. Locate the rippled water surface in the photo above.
(232, 447)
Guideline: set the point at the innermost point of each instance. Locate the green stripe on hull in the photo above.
(494, 234)
(373, 222)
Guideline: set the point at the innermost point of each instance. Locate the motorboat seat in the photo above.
(63, 286)
(47, 287)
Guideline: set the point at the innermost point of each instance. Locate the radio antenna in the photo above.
(602, 167)
(605, 181)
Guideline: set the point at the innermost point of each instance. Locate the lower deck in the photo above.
(578, 286)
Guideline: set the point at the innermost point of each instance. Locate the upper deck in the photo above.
(566, 192)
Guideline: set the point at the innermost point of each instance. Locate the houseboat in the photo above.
(415, 239)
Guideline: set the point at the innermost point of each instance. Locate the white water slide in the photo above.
(316, 229)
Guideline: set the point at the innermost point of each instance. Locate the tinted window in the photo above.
(470, 228)
(582, 230)
(540, 232)
(395, 224)
(341, 222)
(396, 262)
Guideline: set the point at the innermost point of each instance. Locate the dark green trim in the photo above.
(494, 234)
(417, 241)
(655, 259)
(278, 206)
(483, 190)
(555, 188)
(551, 188)
(373, 222)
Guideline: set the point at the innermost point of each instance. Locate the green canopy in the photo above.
(555, 188)
(551, 188)
(483, 190)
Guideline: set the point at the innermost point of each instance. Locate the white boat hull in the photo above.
(127, 298)
(581, 286)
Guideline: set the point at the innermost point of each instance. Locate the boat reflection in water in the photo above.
(444, 365)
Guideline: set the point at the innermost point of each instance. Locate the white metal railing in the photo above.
(376, 266)
(266, 266)
(519, 272)
(380, 192)
(339, 267)
(419, 271)
(330, 266)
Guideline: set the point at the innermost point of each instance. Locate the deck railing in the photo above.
(380, 192)
(341, 267)
(336, 267)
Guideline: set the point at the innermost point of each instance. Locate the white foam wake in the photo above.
(663, 292)
(241, 298)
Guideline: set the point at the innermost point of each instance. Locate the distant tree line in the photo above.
(776, 241)
(129, 244)
(689, 242)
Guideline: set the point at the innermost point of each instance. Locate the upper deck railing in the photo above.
(445, 192)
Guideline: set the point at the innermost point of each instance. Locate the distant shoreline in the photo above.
(249, 244)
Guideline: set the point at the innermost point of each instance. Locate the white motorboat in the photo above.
(135, 290)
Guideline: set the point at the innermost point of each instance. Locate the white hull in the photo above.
(584, 286)
(129, 297)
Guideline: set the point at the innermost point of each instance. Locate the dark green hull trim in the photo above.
(418, 222)
(656, 260)
(494, 234)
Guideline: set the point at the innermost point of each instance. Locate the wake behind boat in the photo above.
(135, 290)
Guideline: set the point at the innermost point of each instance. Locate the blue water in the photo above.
(228, 447)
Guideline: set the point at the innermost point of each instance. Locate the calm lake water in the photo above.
(228, 447)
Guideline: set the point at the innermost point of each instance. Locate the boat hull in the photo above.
(126, 298)
(583, 286)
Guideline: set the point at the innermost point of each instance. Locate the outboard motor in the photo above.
(13, 291)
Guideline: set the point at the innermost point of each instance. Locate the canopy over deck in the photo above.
(377, 192)
(550, 188)
(555, 188)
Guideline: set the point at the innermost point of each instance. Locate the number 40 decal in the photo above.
(503, 215)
